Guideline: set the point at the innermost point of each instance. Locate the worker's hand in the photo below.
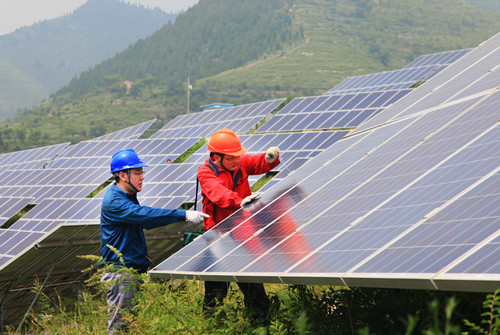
(195, 216)
(249, 199)
(272, 154)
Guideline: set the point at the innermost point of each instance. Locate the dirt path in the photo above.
(248, 66)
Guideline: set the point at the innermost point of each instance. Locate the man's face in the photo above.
(136, 178)
(231, 162)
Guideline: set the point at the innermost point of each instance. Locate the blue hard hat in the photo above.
(126, 159)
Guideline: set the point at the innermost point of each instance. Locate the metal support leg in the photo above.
(35, 299)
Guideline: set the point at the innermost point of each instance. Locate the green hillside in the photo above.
(246, 51)
(39, 59)
(351, 38)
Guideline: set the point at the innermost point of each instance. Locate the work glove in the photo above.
(249, 199)
(195, 216)
(272, 154)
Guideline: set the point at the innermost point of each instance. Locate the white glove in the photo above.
(272, 154)
(249, 199)
(195, 216)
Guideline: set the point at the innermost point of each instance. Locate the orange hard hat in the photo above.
(225, 141)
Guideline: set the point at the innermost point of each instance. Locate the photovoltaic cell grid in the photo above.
(81, 168)
(440, 58)
(13, 242)
(127, 133)
(50, 213)
(58, 191)
(32, 158)
(421, 69)
(40, 184)
(331, 112)
(99, 153)
(240, 119)
(71, 177)
(169, 186)
(405, 205)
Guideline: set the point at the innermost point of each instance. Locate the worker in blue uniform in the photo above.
(123, 221)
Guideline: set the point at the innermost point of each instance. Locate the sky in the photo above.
(19, 13)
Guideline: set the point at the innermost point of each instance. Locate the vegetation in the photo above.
(170, 307)
(246, 51)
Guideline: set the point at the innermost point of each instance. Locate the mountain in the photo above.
(37, 60)
(213, 36)
(240, 51)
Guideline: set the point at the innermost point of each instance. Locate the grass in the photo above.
(189, 152)
(175, 306)
(17, 216)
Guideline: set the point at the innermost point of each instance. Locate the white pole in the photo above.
(188, 95)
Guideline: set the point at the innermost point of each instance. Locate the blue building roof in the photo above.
(214, 106)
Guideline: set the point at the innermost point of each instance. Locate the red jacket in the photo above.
(223, 193)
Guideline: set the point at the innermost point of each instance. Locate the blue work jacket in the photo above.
(122, 222)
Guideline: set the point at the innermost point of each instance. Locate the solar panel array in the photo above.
(32, 158)
(240, 119)
(421, 69)
(331, 112)
(53, 184)
(408, 200)
(456, 77)
(127, 133)
(357, 99)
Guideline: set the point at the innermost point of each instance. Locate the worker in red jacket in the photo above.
(225, 188)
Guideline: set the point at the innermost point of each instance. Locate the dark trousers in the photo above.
(255, 299)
